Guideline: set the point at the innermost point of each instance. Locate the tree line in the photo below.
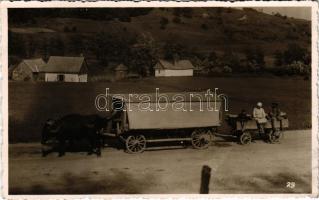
(141, 52)
(29, 15)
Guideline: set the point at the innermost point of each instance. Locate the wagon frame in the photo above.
(138, 128)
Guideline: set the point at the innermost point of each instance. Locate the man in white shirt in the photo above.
(260, 116)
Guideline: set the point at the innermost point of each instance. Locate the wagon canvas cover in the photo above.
(196, 112)
(171, 119)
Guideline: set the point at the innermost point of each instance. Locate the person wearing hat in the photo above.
(243, 117)
(260, 116)
(275, 114)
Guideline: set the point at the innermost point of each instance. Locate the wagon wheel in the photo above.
(274, 136)
(245, 138)
(201, 139)
(135, 143)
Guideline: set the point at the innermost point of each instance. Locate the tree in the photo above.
(175, 51)
(294, 53)
(228, 32)
(66, 29)
(307, 58)
(260, 57)
(255, 57)
(212, 56)
(185, 12)
(231, 60)
(212, 61)
(76, 44)
(163, 22)
(110, 47)
(56, 46)
(142, 60)
(74, 29)
(177, 20)
(204, 26)
(144, 55)
(16, 45)
(31, 47)
(278, 58)
(44, 50)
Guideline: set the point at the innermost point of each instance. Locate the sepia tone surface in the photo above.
(61, 59)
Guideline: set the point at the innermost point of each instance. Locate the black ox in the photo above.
(74, 127)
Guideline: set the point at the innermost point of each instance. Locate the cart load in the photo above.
(244, 127)
(149, 118)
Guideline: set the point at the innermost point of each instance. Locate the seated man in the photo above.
(260, 116)
(275, 114)
(243, 117)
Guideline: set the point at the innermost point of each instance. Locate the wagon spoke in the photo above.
(200, 138)
(245, 138)
(135, 144)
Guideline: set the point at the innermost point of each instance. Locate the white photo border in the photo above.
(4, 5)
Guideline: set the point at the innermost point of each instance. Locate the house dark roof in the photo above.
(36, 65)
(178, 65)
(58, 64)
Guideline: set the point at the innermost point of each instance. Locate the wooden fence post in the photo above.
(204, 186)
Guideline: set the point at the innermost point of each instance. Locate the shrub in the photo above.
(66, 29)
(295, 68)
(204, 26)
(177, 20)
(215, 70)
(163, 22)
(294, 53)
(292, 35)
(298, 68)
(74, 29)
(125, 19)
(278, 58)
(250, 10)
(187, 12)
(281, 16)
(227, 69)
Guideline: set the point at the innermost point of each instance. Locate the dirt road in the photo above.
(256, 168)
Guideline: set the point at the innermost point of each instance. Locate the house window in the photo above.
(61, 77)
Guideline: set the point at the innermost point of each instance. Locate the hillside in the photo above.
(200, 31)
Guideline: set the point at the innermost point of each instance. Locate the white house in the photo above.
(28, 70)
(178, 68)
(66, 69)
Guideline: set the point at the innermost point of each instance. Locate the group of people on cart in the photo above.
(262, 118)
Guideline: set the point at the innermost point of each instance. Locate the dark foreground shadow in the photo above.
(91, 183)
(264, 183)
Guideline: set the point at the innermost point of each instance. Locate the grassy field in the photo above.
(31, 104)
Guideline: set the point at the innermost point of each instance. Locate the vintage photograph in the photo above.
(160, 100)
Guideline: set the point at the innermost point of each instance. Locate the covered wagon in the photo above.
(141, 119)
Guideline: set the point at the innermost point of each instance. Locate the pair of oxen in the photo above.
(64, 131)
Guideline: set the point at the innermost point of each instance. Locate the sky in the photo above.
(295, 12)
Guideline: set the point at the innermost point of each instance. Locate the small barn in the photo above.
(28, 70)
(121, 72)
(66, 69)
(176, 68)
